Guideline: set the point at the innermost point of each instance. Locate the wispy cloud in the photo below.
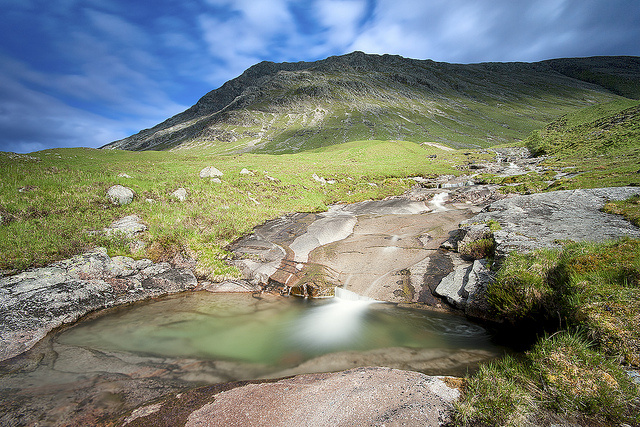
(85, 72)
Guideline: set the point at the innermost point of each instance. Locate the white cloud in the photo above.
(341, 19)
(31, 120)
(116, 29)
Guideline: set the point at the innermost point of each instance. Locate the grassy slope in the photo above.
(598, 146)
(56, 197)
(475, 105)
(470, 120)
(586, 295)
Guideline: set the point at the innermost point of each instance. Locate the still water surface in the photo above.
(277, 332)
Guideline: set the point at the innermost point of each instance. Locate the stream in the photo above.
(85, 373)
(115, 360)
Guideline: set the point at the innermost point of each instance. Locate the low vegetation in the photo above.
(52, 202)
(562, 379)
(594, 147)
(587, 296)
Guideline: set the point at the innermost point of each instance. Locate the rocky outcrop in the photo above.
(120, 195)
(528, 223)
(357, 397)
(543, 220)
(36, 301)
(465, 287)
(386, 249)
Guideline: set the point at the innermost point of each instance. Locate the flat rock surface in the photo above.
(537, 221)
(357, 397)
(387, 250)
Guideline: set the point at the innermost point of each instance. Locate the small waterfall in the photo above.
(334, 324)
(438, 201)
(346, 295)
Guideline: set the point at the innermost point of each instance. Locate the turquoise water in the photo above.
(279, 332)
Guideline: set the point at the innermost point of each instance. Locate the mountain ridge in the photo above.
(293, 106)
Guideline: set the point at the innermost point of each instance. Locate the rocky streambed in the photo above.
(389, 250)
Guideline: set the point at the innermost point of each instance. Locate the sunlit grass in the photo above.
(50, 201)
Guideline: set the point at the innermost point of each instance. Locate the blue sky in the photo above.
(86, 72)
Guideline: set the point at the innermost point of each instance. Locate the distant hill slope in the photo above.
(603, 129)
(289, 107)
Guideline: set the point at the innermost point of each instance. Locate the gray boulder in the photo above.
(465, 288)
(210, 172)
(180, 194)
(128, 226)
(120, 195)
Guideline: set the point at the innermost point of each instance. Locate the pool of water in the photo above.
(274, 332)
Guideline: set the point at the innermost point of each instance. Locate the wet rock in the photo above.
(180, 194)
(465, 289)
(362, 397)
(231, 286)
(382, 249)
(120, 195)
(36, 301)
(541, 220)
(210, 172)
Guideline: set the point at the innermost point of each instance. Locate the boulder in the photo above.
(452, 285)
(210, 172)
(245, 171)
(180, 194)
(465, 288)
(357, 397)
(319, 179)
(120, 195)
(128, 226)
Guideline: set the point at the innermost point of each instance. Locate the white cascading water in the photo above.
(438, 200)
(333, 324)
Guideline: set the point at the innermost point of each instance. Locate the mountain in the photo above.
(288, 107)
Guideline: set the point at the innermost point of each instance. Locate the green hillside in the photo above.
(596, 130)
(291, 107)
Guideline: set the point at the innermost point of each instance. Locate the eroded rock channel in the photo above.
(386, 250)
